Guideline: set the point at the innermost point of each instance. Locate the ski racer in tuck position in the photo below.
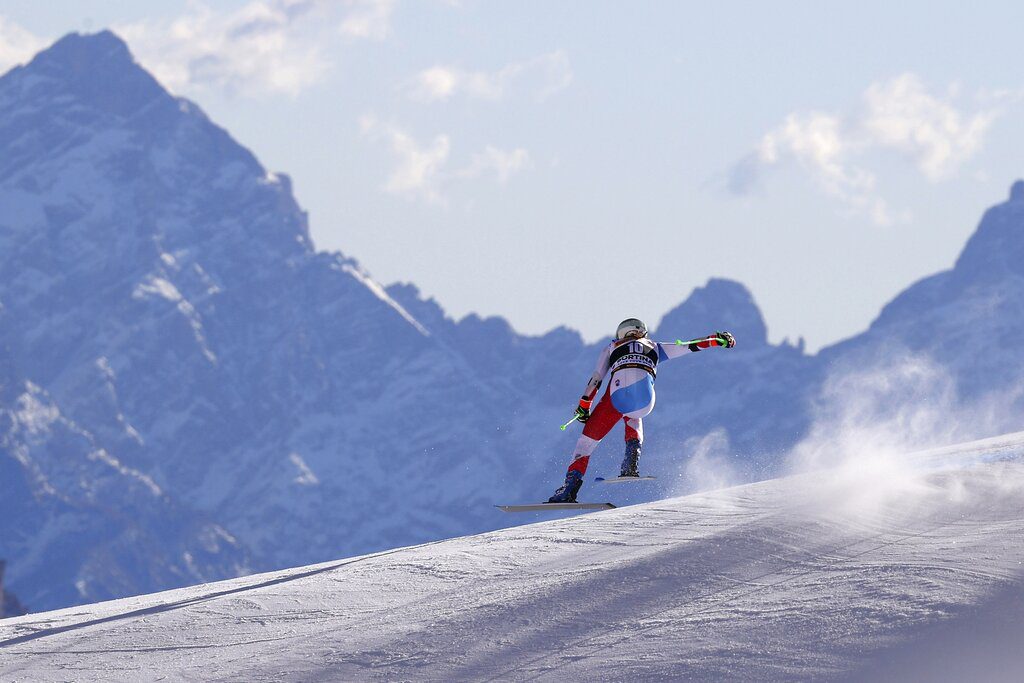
(633, 361)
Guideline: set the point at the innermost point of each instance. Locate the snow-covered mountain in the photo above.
(810, 577)
(190, 391)
(161, 302)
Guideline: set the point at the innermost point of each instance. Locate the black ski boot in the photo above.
(566, 493)
(629, 463)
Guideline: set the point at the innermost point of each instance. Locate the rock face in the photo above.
(969, 320)
(190, 391)
(82, 526)
(720, 304)
(176, 349)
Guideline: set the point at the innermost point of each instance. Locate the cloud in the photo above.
(744, 174)
(265, 47)
(418, 169)
(502, 163)
(835, 149)
(368, 19)
(421, 169)
(544, 75)
(818, 142)
(902, 115)
(437, 83)
(17, 44)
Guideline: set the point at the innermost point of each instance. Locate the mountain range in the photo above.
(190, 390)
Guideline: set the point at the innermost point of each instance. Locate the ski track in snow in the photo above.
(779, 580)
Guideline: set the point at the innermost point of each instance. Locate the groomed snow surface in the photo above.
(906, 569)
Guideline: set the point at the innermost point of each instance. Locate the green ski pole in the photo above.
(574, 418)
(680, 342)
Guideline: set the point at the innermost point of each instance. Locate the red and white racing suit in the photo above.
(630, 397)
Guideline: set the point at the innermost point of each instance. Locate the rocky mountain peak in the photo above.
(98, 50)
(1017, 191)
(152, 159)
(997, 246)
(719, 305)
(96, 69)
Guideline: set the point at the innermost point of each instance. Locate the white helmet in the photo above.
(631, 327)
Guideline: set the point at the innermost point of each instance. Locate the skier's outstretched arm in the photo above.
(679, 348)
(603, 364)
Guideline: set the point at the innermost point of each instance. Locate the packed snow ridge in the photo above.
(812, 576)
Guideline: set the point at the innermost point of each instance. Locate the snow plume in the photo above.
(264, 47)
(863, 450)
(707, 466)
(898, 115)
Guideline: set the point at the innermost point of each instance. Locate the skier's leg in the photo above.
(600, 423)
(634, 439)
(597, 427)
(634, 422)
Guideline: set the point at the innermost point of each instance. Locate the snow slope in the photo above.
(876, 569)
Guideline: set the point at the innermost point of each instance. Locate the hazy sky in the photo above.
(579, 162)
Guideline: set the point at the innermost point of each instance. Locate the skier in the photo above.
(633, 360)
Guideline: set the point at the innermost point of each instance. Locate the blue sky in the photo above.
(580, 162)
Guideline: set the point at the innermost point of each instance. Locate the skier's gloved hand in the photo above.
(725, 339)
(583, 409)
